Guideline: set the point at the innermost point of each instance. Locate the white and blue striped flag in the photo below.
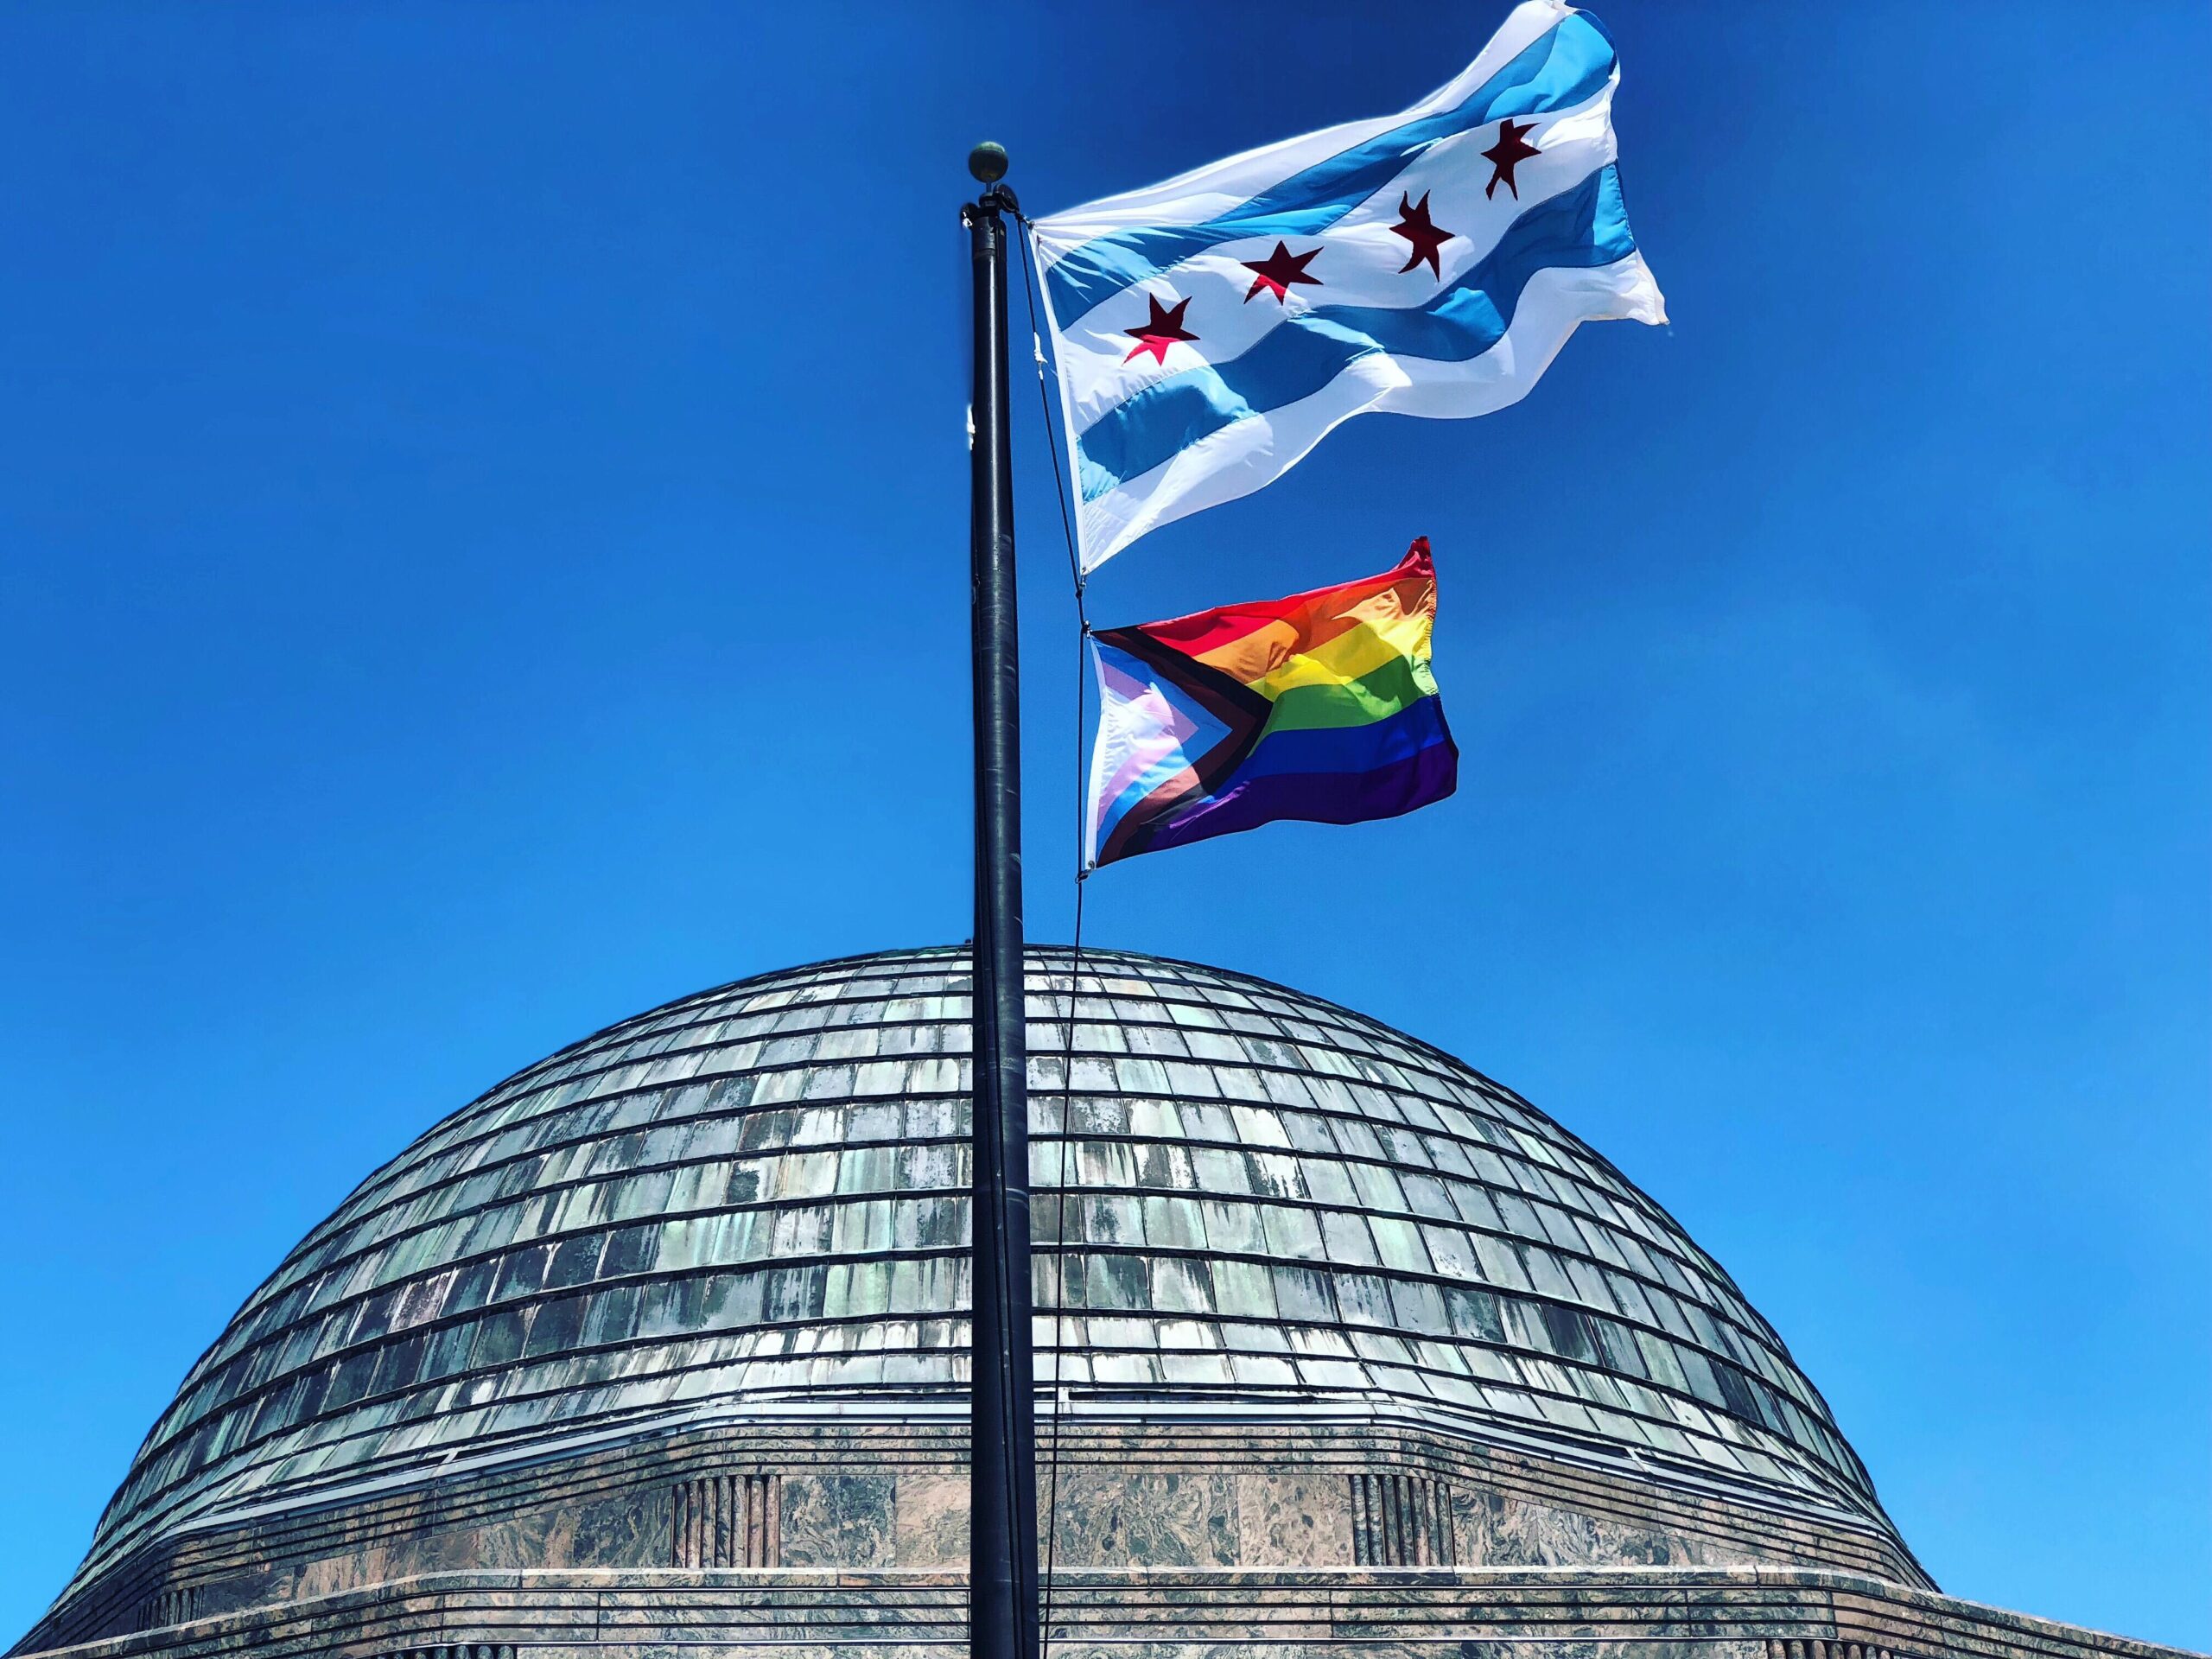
(1211, 330)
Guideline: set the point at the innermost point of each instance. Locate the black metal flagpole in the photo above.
(1002, 1491)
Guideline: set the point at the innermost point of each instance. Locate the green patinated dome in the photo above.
(754, 1199)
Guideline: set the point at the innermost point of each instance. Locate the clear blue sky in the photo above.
(484, 514)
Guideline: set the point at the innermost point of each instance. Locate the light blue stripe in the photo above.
(1579, 229)
(1209, 732)
(1566, 66)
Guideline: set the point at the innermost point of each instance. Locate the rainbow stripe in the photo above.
(1319, 707)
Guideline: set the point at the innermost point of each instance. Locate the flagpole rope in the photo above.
(1074, 951)
(1044, 403)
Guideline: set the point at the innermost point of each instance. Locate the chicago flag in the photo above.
(1211, 330)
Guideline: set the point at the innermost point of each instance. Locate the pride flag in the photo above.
(1319, 707)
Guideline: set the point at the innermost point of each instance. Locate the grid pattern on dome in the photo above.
(760, 1192)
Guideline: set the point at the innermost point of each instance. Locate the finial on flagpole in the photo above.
(986, 162)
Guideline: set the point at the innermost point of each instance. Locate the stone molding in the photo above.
(1630, 1612)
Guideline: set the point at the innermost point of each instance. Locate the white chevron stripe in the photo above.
(1252, 454)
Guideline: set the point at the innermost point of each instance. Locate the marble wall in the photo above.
(1494, 1528)
(1104, 1517)
(881, 1498)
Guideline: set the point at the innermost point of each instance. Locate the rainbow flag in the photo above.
(1319, 707)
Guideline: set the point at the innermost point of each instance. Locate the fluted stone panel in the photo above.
(1401, 1519)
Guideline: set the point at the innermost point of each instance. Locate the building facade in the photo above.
(1342, 1347)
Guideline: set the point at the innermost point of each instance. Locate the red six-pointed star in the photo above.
(1416, 225)
(1274, 274)
(1508, 153)
(1160, 330)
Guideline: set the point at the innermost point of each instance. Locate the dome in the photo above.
(753, 1201)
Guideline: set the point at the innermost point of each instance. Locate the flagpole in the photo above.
(1002, 1471)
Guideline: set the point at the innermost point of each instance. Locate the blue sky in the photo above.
(484, 506)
